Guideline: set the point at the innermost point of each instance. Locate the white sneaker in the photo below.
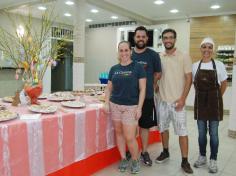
(201, 161)
(213, 166)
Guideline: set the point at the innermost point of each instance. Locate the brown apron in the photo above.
(208, 104)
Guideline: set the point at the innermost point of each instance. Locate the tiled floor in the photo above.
(226, 155)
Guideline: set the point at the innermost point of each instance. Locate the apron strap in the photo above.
(214, 67)
(199, 66)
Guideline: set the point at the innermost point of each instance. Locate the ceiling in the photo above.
(103, 16)
(142, 11)
(187, 8)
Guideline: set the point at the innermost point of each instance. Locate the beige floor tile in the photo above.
(226, 156)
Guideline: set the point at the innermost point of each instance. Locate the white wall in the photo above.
(10, 85)
(101, 52)
(182, 28)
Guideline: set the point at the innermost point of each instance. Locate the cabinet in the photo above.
(225, 53)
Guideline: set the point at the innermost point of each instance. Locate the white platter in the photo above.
(6, 115)
(45, 109)
(100, 92)
(8, 99)
(43, 96)
(2, 107)
(61, 96)
(73, 104)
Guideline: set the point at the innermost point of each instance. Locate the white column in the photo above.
(232, 117)
(79, 45)
(47, 81)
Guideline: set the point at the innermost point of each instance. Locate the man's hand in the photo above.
(180, 103)
(156, 88)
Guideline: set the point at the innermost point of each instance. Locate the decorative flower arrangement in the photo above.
(27, 47)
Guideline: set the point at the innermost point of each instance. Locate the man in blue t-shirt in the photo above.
(151, 63)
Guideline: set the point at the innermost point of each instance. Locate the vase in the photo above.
(33, 92)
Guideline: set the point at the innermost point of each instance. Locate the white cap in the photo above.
(207, 40)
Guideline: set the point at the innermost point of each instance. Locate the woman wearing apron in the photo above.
(210, 82)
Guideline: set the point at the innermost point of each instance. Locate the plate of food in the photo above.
(2, 107)
(61, 96)
(100, 92)
(90, 92)
(7, 115)
(8, 99)
(43, 96)
(101, 98)
(73, 104)
(78, 93)
(43, 108)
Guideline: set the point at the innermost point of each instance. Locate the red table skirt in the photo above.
(98, 161)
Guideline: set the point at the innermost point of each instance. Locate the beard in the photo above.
(140, 45)
(167, 47)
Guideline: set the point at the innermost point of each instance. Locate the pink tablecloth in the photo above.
(39, 147)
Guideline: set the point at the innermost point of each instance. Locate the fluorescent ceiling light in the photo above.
(215, 6)
(159, 2)
(88, 20)
(67, 14)
(94, 11)
(69, 3)
(42, 8)
(174, 11)
(114, 17)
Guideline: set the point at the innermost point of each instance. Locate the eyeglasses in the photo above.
(168, 38)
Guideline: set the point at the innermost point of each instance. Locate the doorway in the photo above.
(62, 73)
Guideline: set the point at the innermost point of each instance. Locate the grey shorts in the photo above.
(167, 113)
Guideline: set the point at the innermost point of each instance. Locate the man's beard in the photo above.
(169, 47)
(140, 46)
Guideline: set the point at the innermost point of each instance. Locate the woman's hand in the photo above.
(138, 113)
(106, 108)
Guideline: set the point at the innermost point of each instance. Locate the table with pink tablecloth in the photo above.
(42, 146)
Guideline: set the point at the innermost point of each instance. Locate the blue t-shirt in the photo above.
(125, 83)
(150, 60)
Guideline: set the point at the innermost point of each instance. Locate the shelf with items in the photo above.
(225, 53)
